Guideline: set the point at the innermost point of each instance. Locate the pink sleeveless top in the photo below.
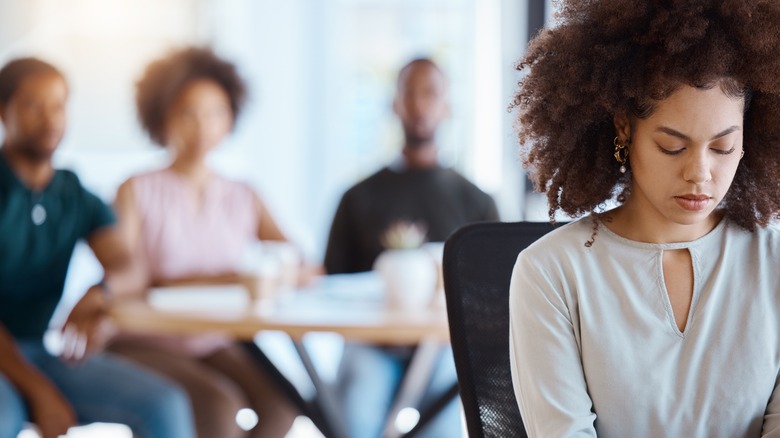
(181, 237)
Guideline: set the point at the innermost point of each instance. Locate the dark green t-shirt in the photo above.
(34, 257)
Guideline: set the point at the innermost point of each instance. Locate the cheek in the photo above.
(60, 121)
(438, 110)
(726, 174)
(179, 129)
(654, 174)
(653, 166)
(31, 126)
(221, 127)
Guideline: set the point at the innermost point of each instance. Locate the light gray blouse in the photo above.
(595, 348)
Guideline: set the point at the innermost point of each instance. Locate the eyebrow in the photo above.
(678, 134)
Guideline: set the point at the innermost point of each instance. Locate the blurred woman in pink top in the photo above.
(186, 223)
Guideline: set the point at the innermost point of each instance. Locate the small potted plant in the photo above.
(408, 270)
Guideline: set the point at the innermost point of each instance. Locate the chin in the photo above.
(691, 218)
(40, 153)
(419, 137)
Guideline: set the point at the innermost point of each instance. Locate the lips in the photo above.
(693, 202)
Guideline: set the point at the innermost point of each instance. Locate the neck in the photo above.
(34, 173)
(635, 224)
(194, 171)
(422, 155)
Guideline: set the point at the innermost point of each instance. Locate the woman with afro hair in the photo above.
(660, 317)
(188, 224)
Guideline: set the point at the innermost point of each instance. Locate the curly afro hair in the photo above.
(609, 57)
(164, 79)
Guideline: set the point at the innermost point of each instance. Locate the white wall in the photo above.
(321, 76)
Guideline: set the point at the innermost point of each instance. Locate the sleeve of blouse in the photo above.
(771, 427)
(547, 374)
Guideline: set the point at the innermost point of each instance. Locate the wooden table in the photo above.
(350, 305)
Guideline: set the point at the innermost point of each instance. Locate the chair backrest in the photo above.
(478, 262)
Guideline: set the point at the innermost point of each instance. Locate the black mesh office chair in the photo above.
(478, 262)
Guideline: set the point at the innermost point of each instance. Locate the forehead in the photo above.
(692, 108)
(419, 75)
(198, 89)
(42, 84)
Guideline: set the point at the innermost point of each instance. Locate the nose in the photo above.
(697, 168)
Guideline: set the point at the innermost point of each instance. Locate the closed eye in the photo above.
(670, 151)
(722, 152)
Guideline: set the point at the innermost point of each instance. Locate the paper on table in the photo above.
(360, 286)
(200, 298)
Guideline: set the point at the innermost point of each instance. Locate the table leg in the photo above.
(328, 404)
(325, 411)
(431, 412)
(309, 409)
(414, 383)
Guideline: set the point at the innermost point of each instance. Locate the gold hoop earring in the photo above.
(621, 154)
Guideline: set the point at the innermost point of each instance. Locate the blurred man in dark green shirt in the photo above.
(43, 213)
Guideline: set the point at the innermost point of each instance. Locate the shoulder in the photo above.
(455, 176)
(455, 179)
(769, 233)
(69, 185)
(146, 186)
(566, 244)
(764, 240)
(564, 238)
(153, 177)
(368, 185)
(92, 211)
(377, 177)
(552, 265)
(68, 179)
(125, 194)
(142, 187)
